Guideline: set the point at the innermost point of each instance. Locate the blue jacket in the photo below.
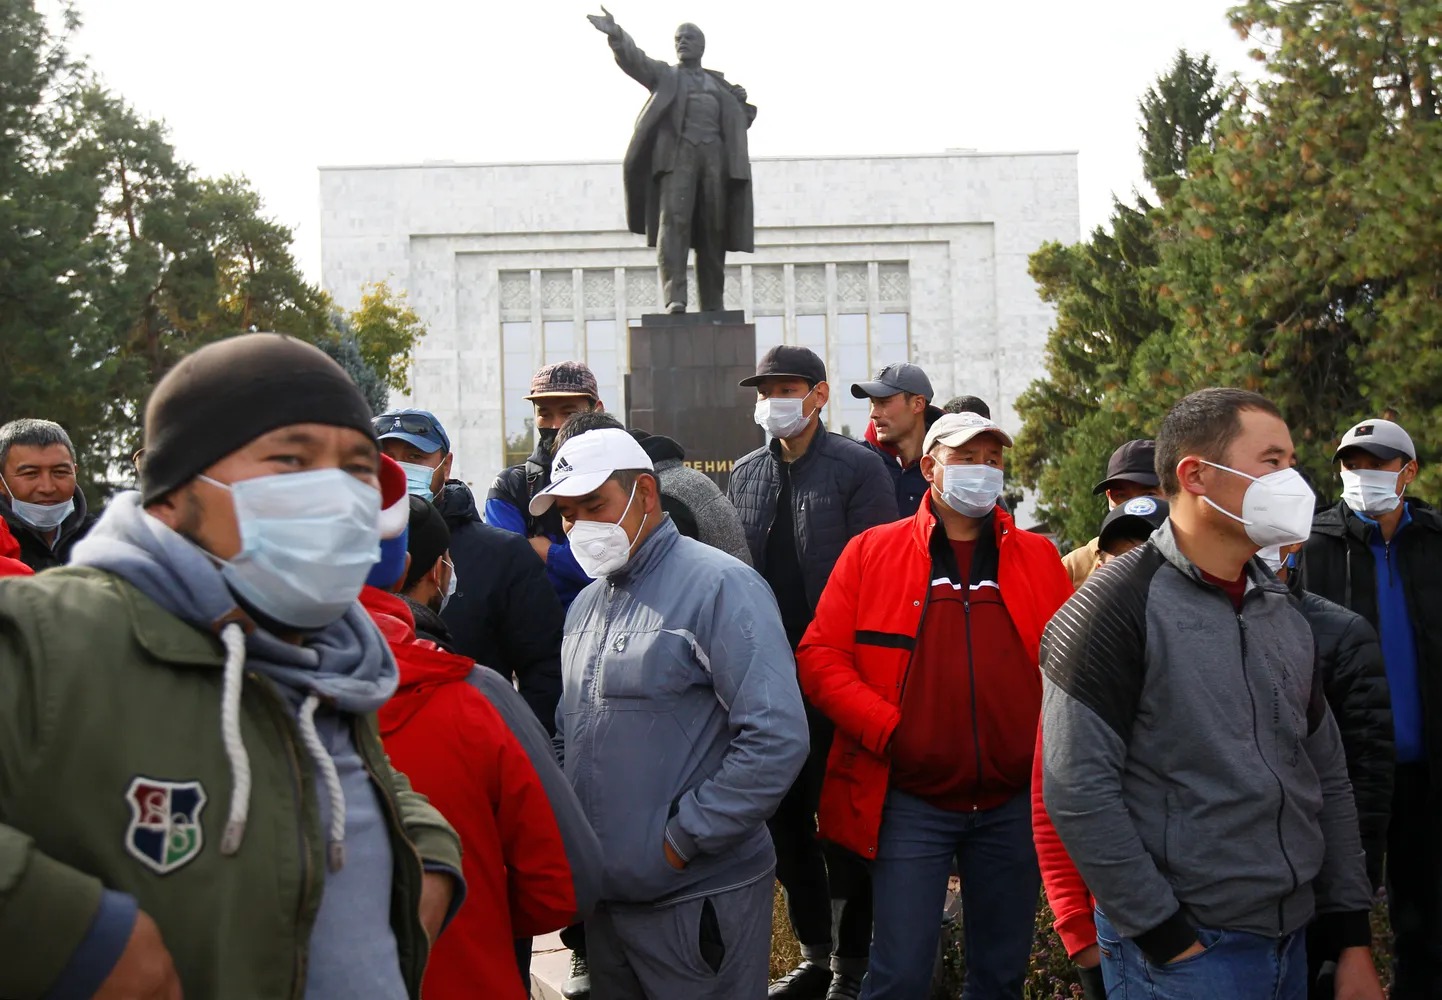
(680, 719)
(508, 506)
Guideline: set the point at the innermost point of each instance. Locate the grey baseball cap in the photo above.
(1382, 438)
(900, 377)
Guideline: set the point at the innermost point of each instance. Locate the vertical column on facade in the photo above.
(538, 325)
(623, 341)
(788, 290)
(833, 353)
(578, 314)
(748, 292)
(873, 313)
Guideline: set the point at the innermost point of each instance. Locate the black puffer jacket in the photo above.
(504, 614)
(1355, 683)
(35, 552)
(1337, 563)
(839, 488)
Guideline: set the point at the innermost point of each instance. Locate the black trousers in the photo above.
(693, 212)
(827, 888)
(1414, 885)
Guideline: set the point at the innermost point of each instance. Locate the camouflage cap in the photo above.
(564, 378)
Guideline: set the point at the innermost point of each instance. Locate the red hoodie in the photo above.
(470, 744)
(1067, 894)
(10, 564)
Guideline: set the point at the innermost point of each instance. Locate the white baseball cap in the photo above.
(955, 429)
(586, 461)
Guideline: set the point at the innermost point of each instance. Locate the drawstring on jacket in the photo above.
(233, 637)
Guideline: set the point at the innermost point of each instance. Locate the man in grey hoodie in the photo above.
(1191, 765)
(681, 726)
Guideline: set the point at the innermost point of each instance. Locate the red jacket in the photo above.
(854, 659)
(470, 744)
(1071, 902)
(10, 564)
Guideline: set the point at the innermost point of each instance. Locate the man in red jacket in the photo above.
(532, 863)
(924, 654)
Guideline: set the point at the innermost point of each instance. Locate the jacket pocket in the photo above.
(653, 667)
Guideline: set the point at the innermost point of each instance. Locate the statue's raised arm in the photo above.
(605, 23)
(633, 62)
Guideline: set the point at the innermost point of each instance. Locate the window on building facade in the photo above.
(518, 424)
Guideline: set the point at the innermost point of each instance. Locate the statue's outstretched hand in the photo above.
(604, 23)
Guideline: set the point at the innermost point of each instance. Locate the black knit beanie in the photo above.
(229, 393)
(427, 539)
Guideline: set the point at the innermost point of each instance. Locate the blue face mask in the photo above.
(307, 542)
(419, 479)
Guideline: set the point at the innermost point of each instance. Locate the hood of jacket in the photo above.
(424, 666)
(931, 415)
(663, 449)
(457, 503)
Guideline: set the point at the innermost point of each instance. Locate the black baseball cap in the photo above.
(1133, 462)
(787, 361)
(900, 377)
(1137, 518)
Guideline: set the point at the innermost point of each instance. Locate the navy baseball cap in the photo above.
(415, 427)
(1135, 519)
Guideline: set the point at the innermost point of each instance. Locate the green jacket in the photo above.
(102, 690)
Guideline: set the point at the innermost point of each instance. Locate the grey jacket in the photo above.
(1191, 766)
(680, 719)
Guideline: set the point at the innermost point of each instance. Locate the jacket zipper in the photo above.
(1281, 790)
(595, 698)
(971, 674)
(302, 954)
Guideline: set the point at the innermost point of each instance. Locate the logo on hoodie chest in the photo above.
(165, 832)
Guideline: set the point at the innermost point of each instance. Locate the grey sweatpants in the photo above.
(643, 952)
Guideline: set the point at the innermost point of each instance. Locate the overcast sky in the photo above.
(274, 89)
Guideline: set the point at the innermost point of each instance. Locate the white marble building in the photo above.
(866, 259)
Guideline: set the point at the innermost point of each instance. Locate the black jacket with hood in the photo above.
(35, 552)
(504, 614)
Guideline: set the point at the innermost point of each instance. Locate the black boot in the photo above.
(808, 981)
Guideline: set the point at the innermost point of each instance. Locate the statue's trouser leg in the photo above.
(709, 227)
(678, 206)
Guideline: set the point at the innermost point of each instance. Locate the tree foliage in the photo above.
(117, 259)
(1299, 255)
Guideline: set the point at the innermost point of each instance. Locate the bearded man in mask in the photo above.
(187, 716)
(557, 391)
(682, 745)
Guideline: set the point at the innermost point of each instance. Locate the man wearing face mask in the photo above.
(923, 653)
(39, 498)
(503, 612)
(557, 391)
(681, 727)
(469, 742)
(1377, 552)
(801, 497)
(1191, 766)
(213, 681)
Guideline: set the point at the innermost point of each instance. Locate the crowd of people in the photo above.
(299, 717)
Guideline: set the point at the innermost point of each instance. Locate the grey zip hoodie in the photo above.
(1190, 764)
(349, 668)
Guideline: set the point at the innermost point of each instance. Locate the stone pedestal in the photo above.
(684, 370)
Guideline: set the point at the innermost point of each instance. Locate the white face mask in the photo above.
(1276, 509)
(42, 516)
(1371, 491)
(602, 547)
(450, 584)
(971, 490)
(783, 416)
(308, 541)
(1272, 556)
